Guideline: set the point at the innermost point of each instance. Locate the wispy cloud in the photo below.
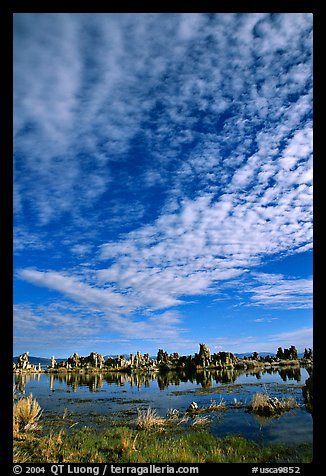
(301, 337)
(208, 241)
(59, 326)
(115, 312)
(277, 291)
(24, 238)
(65, 325)
(197, 104)
(266, 319)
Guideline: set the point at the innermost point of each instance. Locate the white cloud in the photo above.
(107, 75)
(45, 326)
(81, 249)
(23, 238)
(266, 319)
(75, 327)
(277, 291)
(72, 288)
(301, 338)
(206, 241)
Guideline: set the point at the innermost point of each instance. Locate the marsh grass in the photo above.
(237, 403)
(123, 444)
(165, 440)
(147, 419)
(217, 406)
(264, 405)
(26, 413)
(173, 414)
(200, 421)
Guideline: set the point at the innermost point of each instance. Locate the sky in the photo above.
(162, 182)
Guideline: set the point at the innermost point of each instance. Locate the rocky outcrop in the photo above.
(203, 360)
(23, 365)
(53, 362)
(193, 407)
(204, 356)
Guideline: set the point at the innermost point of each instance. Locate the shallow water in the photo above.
(94, 399)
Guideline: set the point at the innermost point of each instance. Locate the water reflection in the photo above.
(204, 378)
(287, 373)
(93, 381)
(21, 380)
(307, 391)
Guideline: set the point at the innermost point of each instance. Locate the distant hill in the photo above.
(263, 354)
(127, 356)
(114, 356)
(248, 354)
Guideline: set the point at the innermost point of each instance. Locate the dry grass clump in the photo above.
(173, 414)
(217, 407)
(264, 405)
(14, 392)
(26, 414)
(20, 456)
(200, 421)
(148, 419)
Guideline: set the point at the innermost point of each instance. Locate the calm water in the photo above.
(94, 399)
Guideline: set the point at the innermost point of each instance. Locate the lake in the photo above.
(74, 400)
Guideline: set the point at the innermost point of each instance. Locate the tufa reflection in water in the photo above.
(21, 380)
(204, 378)
(307, 392)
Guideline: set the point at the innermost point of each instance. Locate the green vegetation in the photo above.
(147, 439)
(122, 444)
(148, 419)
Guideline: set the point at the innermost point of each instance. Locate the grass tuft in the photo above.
(148, 419)
(200, 421)
(173, 414)
(264, 405)
(26, 413)
(217, 407)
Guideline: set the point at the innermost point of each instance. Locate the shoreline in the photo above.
(244, 365)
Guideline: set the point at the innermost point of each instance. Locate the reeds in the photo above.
(173, 414)
(125, 444)
(217, 406)
(26, 413)
(200, 421)
(148, 419)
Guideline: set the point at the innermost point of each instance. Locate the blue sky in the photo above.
(162, 182)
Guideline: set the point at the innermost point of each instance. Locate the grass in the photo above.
(229, 388)
(173, 414)
(200, 421)
(217, 407)
(147, 439)
(123, 444)
(264, 405)
(147, 419)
